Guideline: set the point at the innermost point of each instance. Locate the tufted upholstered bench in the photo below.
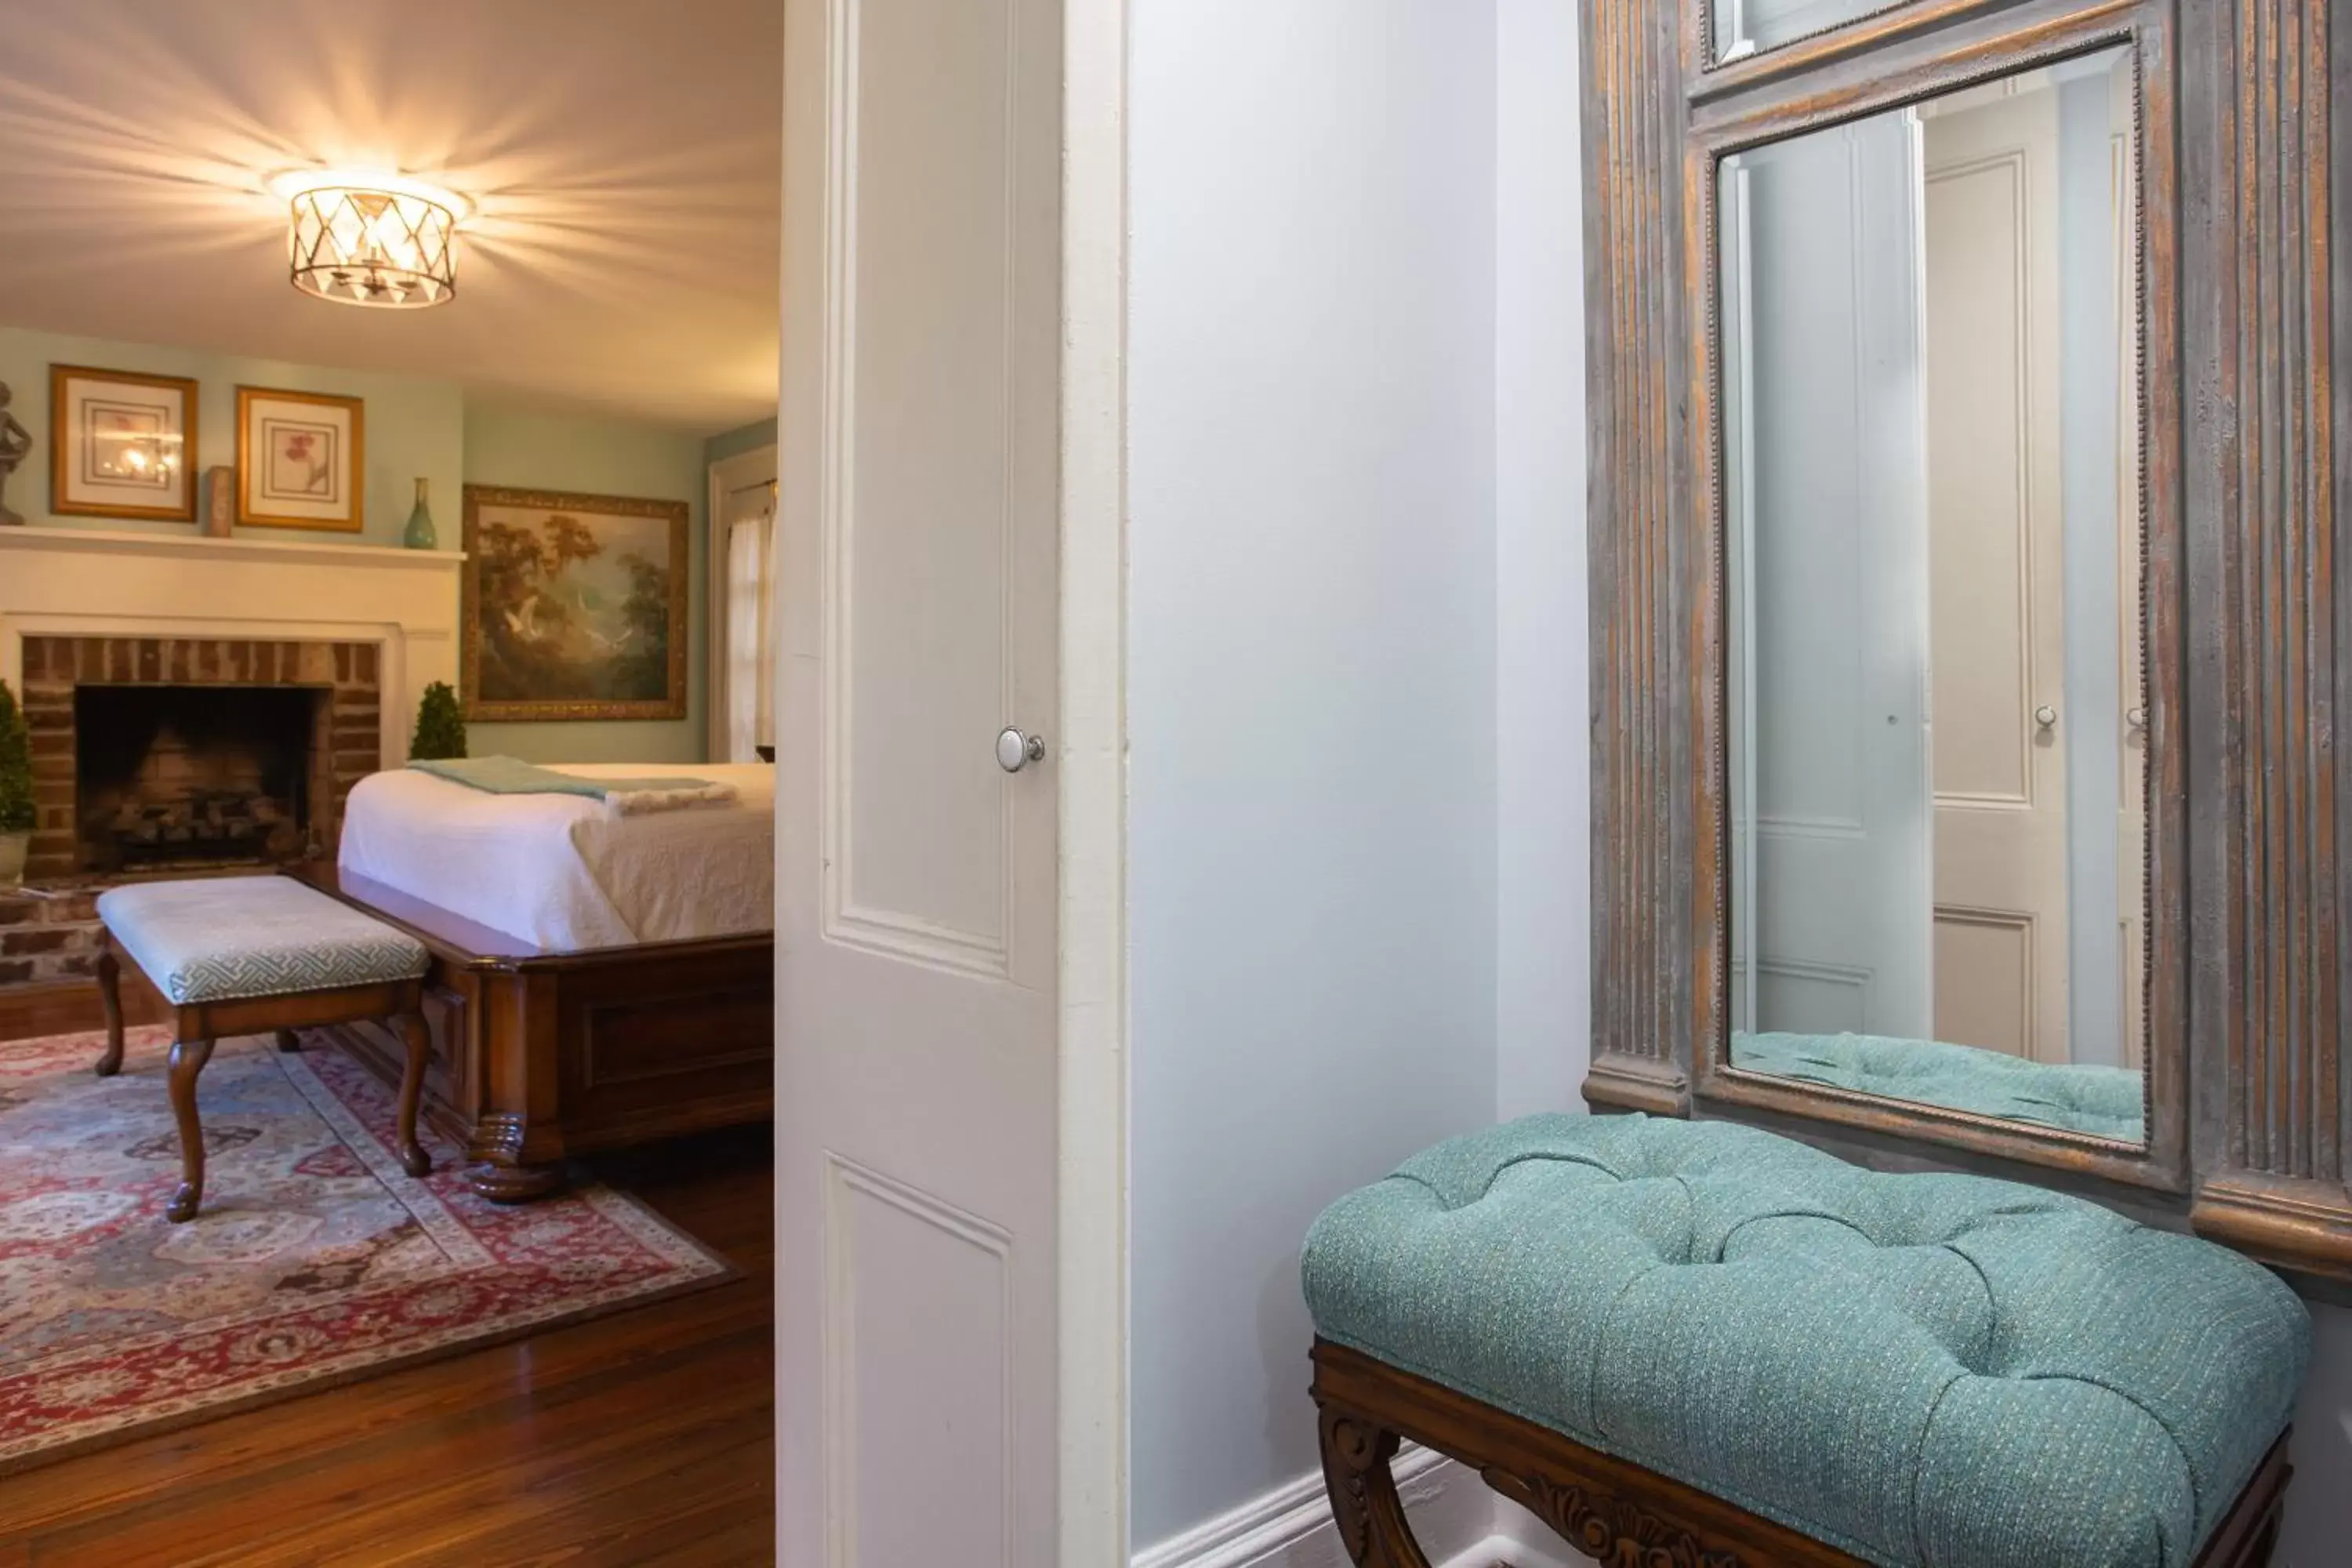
(241, 956)
(1703, 1345)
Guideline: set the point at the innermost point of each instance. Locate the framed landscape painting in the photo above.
(122, 444)
(301, 460)
(575, 606)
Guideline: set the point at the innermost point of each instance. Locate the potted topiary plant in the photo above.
(440, 728)
(15, 789)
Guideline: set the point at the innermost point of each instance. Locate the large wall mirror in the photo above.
(1935, 730)
(1972, 608)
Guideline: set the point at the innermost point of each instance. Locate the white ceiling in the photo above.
(625, 155)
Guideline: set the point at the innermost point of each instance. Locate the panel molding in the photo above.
(845, 1181)
(846, 918)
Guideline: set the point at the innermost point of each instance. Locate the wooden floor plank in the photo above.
(642, 1436)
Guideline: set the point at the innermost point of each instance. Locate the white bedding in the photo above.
(557, 871)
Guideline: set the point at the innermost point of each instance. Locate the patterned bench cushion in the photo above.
(223, 939)
(1920, 1370)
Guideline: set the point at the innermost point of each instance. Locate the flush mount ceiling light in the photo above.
(360, 237)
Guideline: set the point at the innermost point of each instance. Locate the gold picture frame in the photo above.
(574, 606)
(116, 453)
(301, 460)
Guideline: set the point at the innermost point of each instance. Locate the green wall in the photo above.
(734, 443)
(415, 429)
(554, 452)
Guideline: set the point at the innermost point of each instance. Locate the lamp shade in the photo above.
(391, 249)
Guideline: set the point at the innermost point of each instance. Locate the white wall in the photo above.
(1543, 738)
(2319, 1500)
(1312, 693)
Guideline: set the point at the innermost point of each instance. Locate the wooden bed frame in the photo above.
(539, 1056)
(1609, 1509)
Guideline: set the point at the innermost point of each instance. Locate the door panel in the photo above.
(1828, 534)
(1996, 542)
(916, 1131)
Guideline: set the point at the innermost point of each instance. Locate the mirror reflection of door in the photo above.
(1995, 523)
(1928, 329)
(1827, 525)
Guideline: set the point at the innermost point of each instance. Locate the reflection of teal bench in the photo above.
(1702, 1344)
(2099, 1101)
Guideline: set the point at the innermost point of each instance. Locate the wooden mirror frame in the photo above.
(2245, 248)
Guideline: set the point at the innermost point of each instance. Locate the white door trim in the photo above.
(1093, 762)
(727, 475)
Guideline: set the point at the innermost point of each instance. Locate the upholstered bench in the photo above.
(1701, 1345)
(241, 956)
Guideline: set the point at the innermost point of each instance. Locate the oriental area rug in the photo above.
(315, 1259)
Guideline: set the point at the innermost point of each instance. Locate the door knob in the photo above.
(2136, 718)
(2046, 716)
(1015, 751)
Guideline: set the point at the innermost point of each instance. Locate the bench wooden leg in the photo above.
(109, 996)
(287, 1040)
(418, 1038)
(1364, 1501)
(188, 1060)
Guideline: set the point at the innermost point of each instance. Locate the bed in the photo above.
(596, 981)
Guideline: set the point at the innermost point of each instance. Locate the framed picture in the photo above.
(301, 460)
(122, 444)
(574, 606)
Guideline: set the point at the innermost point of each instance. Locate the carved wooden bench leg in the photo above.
(418, 1038)
(188, 1060)
(1364, 1501)
(109, 996)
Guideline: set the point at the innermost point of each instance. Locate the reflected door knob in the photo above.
(1015, 751)
(2046, 716)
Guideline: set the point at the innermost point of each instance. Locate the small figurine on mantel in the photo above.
(15, 442)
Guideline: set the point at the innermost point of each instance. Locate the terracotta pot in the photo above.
(11, 858)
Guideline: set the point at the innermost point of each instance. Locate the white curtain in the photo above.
(751, 644)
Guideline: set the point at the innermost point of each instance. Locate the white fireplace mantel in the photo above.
(61, 581)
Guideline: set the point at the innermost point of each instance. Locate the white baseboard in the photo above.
(1290, 1527)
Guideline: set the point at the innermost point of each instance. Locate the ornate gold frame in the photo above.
(673, 705)
(189, 466)
(246, 517)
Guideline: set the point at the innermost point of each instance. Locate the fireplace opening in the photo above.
(192, 776)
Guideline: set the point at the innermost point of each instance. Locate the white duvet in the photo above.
(557, 871)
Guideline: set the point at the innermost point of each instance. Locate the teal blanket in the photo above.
(513, 775)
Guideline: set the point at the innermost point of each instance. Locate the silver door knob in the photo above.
(2136, 718)
(2046, 716)
(1015, 751)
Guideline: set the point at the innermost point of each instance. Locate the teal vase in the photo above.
(420, 534)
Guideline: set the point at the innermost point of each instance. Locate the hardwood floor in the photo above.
(642, 1438)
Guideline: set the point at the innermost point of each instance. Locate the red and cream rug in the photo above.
(315, 1259)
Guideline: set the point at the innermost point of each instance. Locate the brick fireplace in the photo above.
(181, 753)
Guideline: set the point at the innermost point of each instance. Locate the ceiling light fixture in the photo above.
(360, 237)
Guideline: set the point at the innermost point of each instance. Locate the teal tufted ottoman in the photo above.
(239, 955)
(1701, 1345)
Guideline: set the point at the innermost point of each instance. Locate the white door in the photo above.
(1827, 523)
(917, 1008)
(1997, 541)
